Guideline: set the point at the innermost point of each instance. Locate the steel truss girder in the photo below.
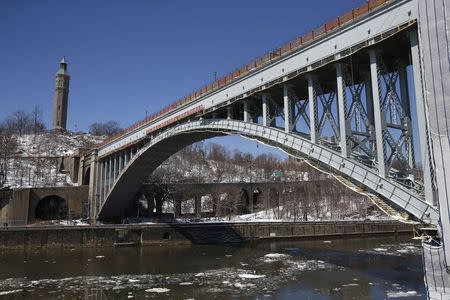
(395, 112)
(301, 113)
(402, 196)
(278, 111)
(356, 116)
(326, 101)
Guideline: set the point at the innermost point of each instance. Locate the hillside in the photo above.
(34, 161)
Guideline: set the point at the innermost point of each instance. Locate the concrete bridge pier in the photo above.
(198, 206)
(177, 207)
(94, 179)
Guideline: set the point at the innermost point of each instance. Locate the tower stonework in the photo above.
(61, 97)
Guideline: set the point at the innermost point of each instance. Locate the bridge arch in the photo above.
(86, 176)
(51, 207)
(170, 141)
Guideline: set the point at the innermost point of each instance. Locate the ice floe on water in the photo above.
(244, 285)
(254, 277)
(251, 276)
(271, 257)
(395, 250)
(401, 294)
(157, 290)
(276, 255)
(3, 293)
(380, 249)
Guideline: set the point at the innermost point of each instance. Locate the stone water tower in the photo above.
(61, 97)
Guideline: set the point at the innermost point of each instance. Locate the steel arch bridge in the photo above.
(165, 144)
(339, 96)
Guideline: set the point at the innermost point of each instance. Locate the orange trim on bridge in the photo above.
(258, 63)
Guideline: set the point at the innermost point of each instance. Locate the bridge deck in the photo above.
(302, 43)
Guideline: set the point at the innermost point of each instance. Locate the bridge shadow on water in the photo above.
(208, 233)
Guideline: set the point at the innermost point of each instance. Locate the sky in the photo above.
(131, 58)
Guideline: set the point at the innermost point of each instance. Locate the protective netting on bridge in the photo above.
(434, 22)
(436, 277)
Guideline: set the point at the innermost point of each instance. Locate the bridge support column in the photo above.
(93, 181)
(265, 110)
(177, 207)
(98, 197)
(246, 113)
(342, 108)
(288, 109)
(379, 118)
(105, 178)
(110, 172)
(229, 113)
(81, 171)
(430, 193)
(369, 106)
(114, 161)
(103, 181)
(158, 205)
(407, 109)
(312, 109)
(198, 206)
(120, 163)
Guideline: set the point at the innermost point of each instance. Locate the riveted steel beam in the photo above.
(402, 196)
(342, 106)
(379, 118)
(287, 107)
(430, 191)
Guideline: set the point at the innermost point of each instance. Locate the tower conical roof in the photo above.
(62, 67)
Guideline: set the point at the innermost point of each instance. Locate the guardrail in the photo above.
(260, 62)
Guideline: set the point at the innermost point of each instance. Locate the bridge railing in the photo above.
(260, 62)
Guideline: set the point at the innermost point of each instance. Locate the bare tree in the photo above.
(19, 122)
(36, 119)
(109, 128)
(8, 145)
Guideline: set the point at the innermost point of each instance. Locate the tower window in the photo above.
(59, 107)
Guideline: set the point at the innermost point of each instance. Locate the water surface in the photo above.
(356, 268)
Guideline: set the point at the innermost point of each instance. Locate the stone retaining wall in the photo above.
(199, 233)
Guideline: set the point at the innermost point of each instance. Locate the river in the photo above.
(353, 268)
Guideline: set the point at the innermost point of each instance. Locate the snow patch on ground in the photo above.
(37, 159)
